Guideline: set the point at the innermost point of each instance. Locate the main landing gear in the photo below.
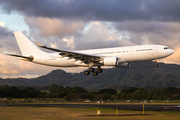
(95, 71)
(156, 63)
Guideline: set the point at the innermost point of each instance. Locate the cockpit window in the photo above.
(166, 47)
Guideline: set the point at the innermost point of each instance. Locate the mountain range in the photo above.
(142, 74)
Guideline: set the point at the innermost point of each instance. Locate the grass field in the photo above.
(36, 113)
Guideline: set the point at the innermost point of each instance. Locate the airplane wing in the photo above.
(83, 57)
(30, 58)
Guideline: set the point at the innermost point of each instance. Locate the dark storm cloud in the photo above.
(7, 41)
(4, 32)
(105, 10)
(146, 26)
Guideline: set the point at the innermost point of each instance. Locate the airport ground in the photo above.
(88, 111)
(69, 113)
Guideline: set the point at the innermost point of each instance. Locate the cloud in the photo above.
(96, 35)
(54, 32)
(100, 34)
(70, 42)
(2, 24)
(7, 40)
(98, 10)
(54, 27)
(148, 26)
(150, 32)
(4, 32)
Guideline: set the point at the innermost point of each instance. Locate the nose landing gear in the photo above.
(156, 63)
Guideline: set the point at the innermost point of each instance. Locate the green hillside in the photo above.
(142, 74)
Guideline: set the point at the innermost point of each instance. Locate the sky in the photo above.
(85, 24)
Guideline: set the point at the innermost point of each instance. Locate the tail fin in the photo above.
(26, 46)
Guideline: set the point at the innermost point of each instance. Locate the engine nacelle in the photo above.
(110, 61)
(123, 65)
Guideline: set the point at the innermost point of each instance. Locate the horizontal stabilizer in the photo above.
(30, 58)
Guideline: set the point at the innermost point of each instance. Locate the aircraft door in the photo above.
(130, 51)
(156, 49)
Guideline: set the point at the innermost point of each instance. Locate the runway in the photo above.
(138, 107)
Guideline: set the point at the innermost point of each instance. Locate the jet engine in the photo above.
(110, 61)
(123, 65)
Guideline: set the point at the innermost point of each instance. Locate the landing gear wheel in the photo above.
(95, 73)
(91, 69)
(86, 72)
(155, 65)
(99, 70)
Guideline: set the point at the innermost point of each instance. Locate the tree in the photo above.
(107, 91)
(129, 90)
(53, 88)
(30, 92)
(78, 89)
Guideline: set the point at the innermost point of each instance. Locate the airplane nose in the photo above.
(172, 51)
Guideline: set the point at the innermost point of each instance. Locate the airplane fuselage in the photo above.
(124, 54)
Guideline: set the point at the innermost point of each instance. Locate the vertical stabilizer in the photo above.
(26, 46)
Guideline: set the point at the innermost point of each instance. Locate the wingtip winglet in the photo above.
(38, 44)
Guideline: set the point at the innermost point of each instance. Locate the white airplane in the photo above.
(120, 57)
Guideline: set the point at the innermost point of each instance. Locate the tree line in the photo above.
(79, 93)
